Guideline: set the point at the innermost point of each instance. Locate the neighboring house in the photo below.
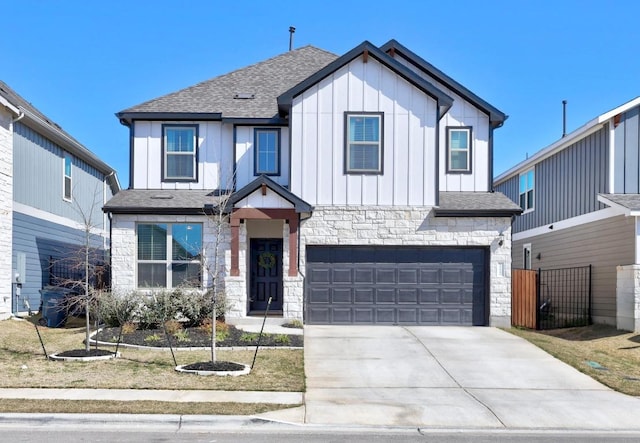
(358, 190)
(581, 202)
(47, 180)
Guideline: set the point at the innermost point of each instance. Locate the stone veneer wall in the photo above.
(413, 226)
(6, 209)
(628, 298)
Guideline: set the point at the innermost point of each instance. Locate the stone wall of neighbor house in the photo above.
(628, 298)
(413, 226)
(6, 207)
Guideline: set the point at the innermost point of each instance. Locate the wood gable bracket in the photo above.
(365, 56)
(263, 188)
(392, 52)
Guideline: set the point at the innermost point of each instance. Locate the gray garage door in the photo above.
(396, 285)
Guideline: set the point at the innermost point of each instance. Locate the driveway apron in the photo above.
(451, 377)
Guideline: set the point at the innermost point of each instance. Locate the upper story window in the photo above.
(459, 149)
(363, 147)
(179, 152)
(266, 158)
(527, 185)
(526, 256)
(66, 185)
(169, 255)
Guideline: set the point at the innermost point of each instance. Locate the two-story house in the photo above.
(357, 190)
(52, 189)
(580, 198)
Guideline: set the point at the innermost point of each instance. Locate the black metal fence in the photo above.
(69, 272)
(564, 297)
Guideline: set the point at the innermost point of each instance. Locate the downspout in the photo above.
(19, 117)
(104, 200)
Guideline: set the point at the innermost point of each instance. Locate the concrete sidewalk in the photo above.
(285, 398)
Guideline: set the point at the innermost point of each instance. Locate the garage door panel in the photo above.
(341, 295)
(364, 275)
(407, 316)
(364, 295)
(408, 276)
(342, 316)
(385, 315)
(319, 295)
(386, 275)
(429, 296)
(385, 296)
(408, 296)
(341, 276)
(395, 285)
(429, 276)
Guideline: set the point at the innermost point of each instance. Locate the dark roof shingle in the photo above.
(482, 204)
(264, 80)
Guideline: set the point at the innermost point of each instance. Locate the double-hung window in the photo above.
(169, 255)
(527, 186)
(179, 152)
(459, 149)
(267, 151)
(363, 147)
(66, 185)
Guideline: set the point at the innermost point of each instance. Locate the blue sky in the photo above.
(79, 62)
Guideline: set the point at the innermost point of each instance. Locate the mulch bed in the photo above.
(195, 337)
(217, 366)
(83, 353)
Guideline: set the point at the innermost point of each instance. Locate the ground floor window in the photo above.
(169, 255)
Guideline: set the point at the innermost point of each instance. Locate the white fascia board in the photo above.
(585, 130)
(622, 209)
(7, 104)
(568, 223)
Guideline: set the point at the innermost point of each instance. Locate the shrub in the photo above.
(282, 339)
(156, 309)
(182, 335)
(115, 310)
(152, 338)
(129, 327)
(172, 326)
(293, 324)
(248, 337)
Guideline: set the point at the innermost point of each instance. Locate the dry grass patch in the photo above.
(136, 407)
(589, 347)
(23, 365)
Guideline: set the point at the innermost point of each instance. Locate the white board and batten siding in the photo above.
(215, 156)
(270, 200)
(462, 113)
(318, 139)
(245, 156)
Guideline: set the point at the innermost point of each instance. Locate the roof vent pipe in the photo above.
(292, 30)
(564, 118)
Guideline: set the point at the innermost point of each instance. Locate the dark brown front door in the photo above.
(266, 274)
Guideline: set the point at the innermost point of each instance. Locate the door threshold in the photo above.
(261, 314)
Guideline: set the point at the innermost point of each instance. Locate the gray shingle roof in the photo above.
(265, 81)
(476, 204)
(159, 201)
(629, 201)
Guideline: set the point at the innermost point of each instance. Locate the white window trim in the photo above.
(168, 261)
(532, 208)
(451, 129)
(166, 153)
(65, 176)
(348, 143)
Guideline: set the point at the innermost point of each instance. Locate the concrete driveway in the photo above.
(451, 377)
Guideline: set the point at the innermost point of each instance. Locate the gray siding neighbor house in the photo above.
(354, 189)
(51, 189)
(580, 200)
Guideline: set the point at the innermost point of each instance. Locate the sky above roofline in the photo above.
(80, 62)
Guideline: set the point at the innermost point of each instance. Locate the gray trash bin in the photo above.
(54, 306)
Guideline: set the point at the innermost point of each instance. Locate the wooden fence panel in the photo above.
(523, 298)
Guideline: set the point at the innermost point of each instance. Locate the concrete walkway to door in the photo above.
(451, 377)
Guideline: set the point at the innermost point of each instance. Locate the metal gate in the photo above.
(551, 298)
